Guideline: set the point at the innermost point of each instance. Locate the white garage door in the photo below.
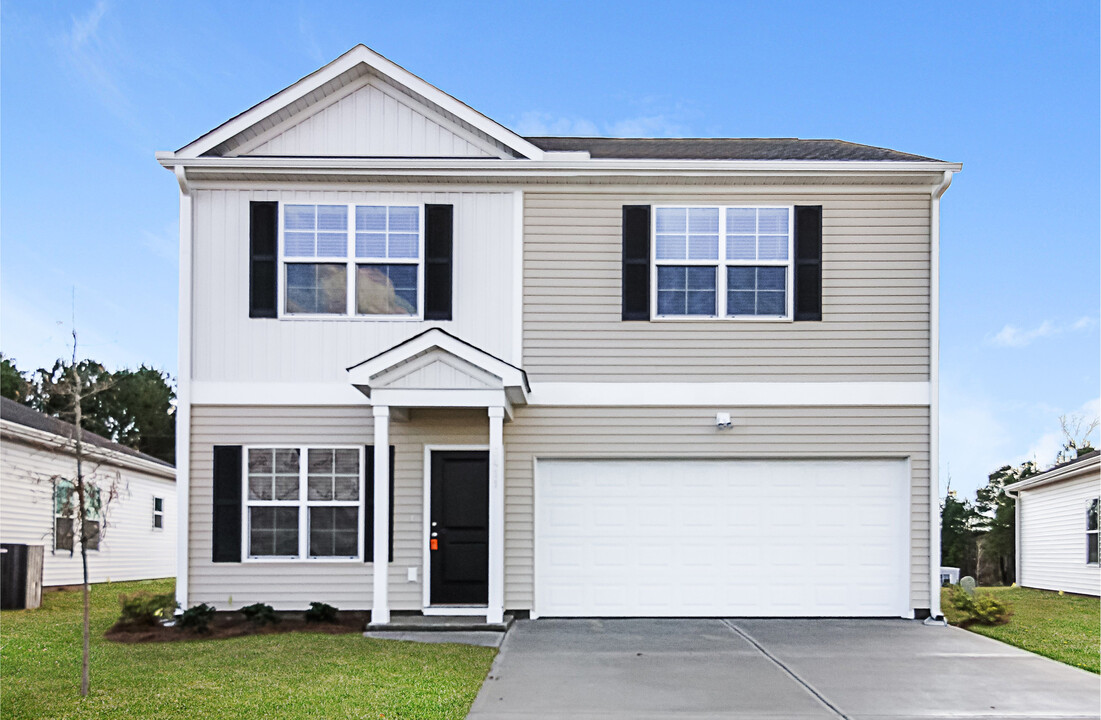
(735, 538)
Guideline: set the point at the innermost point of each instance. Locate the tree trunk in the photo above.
(85, 671)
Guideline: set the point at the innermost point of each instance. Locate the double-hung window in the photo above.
(722, 262)
(158, 513)
(66, 520)
(353, 260)
(1093, 539)
(304, 502)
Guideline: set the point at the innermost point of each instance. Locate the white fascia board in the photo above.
(415, 398)
(14, 432)
(732, 394)
(521, 167)
(363, 373)
(358, 54)
(1070, 472)
(775, 394)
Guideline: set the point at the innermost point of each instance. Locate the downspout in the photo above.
(935, 613)
(183, 393)
(1016, 495)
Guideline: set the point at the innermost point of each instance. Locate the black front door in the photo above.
(459, 528)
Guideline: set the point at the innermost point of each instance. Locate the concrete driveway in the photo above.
(709, 668)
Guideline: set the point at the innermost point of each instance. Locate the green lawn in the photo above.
(1066, 628)
(295, 675)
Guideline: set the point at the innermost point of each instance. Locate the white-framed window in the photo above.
(731, 262)
(66, 521)
(1093, 539)
(352, 260)
(158, 513)
(303, 502)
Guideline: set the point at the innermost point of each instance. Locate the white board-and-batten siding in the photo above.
(228, 346)
(130, 547)
(374, 119)
(875, 297)
(535, 432)
(1053, 536)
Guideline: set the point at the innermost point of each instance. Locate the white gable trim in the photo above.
(395, 73)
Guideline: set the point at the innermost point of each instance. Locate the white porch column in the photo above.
(496, 609)
(380, 604)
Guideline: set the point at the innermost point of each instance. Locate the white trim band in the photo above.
(730, 394)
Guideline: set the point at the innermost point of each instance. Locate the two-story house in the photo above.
(429, 365)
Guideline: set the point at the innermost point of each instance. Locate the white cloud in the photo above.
(537, 124)
(163, 244)
(647, 117)
(1013, 336)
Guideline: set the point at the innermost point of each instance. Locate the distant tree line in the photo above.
(979, 537)
(134, 408)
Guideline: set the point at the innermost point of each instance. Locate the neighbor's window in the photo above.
(352, 260)
(66, 521)
(158, 513)
(1093, 540)
(304, 502)
(732, 262)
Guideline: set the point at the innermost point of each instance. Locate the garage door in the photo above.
(737, 538)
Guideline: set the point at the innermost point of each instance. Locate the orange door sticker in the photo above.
(433, 544)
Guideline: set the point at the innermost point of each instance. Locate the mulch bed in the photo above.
(232, 624)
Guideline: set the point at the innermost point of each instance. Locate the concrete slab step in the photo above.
(440, 623)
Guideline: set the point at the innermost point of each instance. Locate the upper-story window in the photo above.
(725, 262)
(362, 260)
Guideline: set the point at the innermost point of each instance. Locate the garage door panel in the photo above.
(711, 538)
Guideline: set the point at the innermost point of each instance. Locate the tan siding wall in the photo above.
(690, 432)
(875, 298)
(130, 548)
(293, 585)
(230, 346)
(1053, 536)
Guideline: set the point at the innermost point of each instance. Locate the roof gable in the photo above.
(356, 69)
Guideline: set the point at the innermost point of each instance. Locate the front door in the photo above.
(459, 528)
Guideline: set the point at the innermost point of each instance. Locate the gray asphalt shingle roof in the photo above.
(722, 149)
(22, 415)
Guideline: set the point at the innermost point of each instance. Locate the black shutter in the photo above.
(263, 265)
(808, 262)
(636, 262)
(369, 506)
(227, 503)
(438, 233)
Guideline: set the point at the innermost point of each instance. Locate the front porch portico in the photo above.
(438, 370)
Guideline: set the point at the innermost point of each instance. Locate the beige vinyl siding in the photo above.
(759, 432)
(292, 585)
(875, 297)
(229, 346)
(1053, 536)
(130, 548)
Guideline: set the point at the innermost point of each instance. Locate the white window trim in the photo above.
(721, 263)
(1096, 532)
(303, 505)
(349, 261)
(158, 513)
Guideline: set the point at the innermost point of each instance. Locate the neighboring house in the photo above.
(136, 522)
(564, 376)
(1057, 531)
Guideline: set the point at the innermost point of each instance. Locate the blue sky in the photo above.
(90, 89)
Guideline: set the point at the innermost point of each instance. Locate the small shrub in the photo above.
(260, 614)
(196, 618)
(321, 613)
(979, 608)
(146, 608)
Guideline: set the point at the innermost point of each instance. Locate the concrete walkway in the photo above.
(770, 669)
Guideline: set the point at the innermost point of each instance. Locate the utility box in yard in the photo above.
(20, 576)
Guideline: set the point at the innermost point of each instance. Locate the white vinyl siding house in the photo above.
(137, 524)
(1057, 537)
(543, 332)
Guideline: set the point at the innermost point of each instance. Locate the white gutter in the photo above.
(523, 167)
(183, 394)
(934, 409)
